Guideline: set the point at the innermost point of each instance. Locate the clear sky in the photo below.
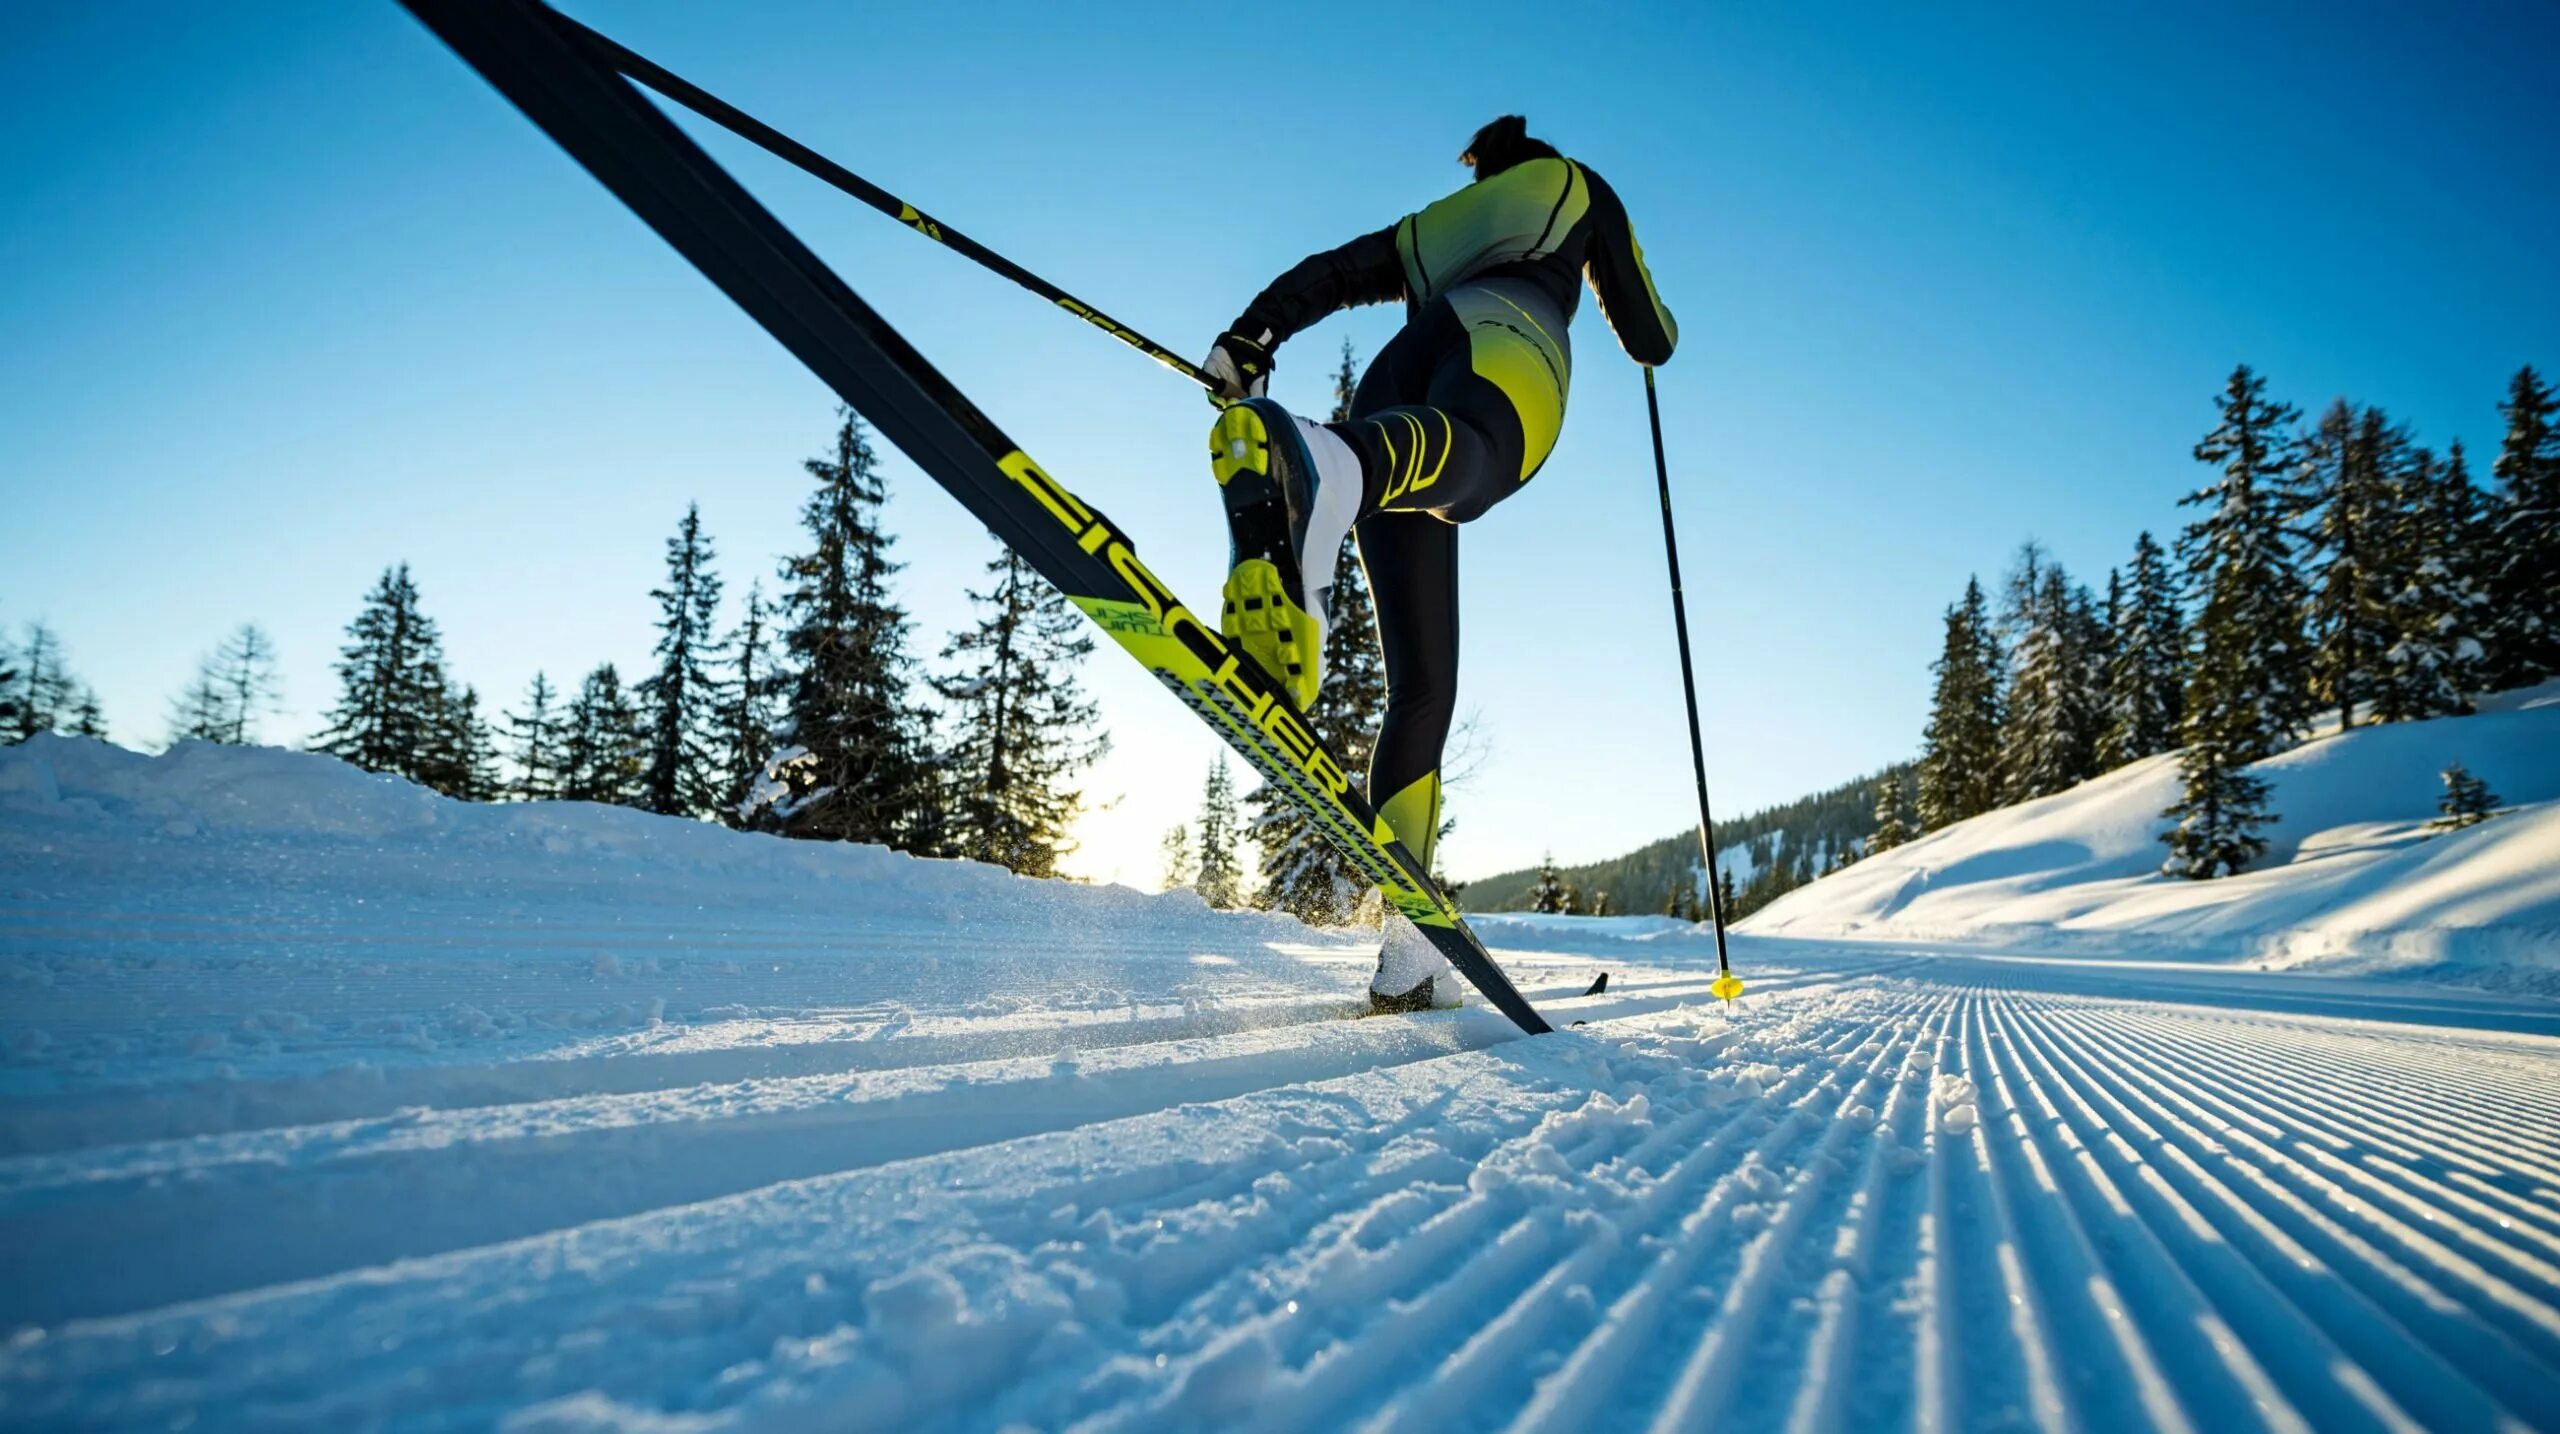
(287, 294)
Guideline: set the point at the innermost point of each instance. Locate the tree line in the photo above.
(809, 717)
(2337, 568)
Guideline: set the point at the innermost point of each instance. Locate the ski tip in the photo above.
(1599, 986)
(1726, 988)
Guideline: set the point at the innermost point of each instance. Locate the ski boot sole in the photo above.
(1260, 615)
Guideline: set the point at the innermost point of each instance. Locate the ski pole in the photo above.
(782, 146)
(1727, 985)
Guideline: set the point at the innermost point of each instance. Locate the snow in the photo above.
(325, 1102)
(2355, 877)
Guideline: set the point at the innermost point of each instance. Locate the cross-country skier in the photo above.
(1456, 413)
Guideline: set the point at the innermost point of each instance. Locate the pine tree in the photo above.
(12, 707)
(1725, 898)
(2054, 708)
(2250, 656)
(43, 696)
(1892, 827)
(2346, 489)
(1553, 896)
(1960, 758)
(2145, 664)
(1025, 728)
(540, 758)
(2437, 616)
(1217, 880)
(1301, 872)
(2244, 685)
(746, 717)
(2467, 799)
(461, 759)
(87, 718)
(391, 684)
(1180, 868)
(861, 767)
(234, 685)
(681, 696)
(604, 749)
(2524, 537)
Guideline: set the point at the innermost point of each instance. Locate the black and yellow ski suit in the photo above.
(1460, 409)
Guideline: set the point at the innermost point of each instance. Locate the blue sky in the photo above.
(287, 294)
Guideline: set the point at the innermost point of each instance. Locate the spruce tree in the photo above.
(2245, 688)
(604, 750)
(2250, 659)
(1892, 827)
(2524, 537)
(681, 697)
(861, 768)
(539, 732)
(1024, 726)
(1217, 881)
(2435, 619)
(746, 717)
(1180, 868)
(390, 715)
(1725, 898)
(43, 696)
(2467, 799)
(2346, 491)
(2050, 723)
(2145, 664)
(11, 703)
(1960, 757)
(461, 759)
(1301, 872)
(1552, 895)
(234, 686)
(88, 719)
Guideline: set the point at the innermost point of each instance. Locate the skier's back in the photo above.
(1456, 413)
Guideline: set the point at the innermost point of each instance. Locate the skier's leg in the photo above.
(1412, 564)
(1484, 421)
(1292, 490)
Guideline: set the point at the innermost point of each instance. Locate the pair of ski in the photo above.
(575, 90)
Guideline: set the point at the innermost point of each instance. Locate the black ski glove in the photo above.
(1237, 367)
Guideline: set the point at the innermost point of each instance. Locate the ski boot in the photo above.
(1292, 489)
(1412, 974)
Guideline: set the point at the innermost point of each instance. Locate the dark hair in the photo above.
(1502, 144)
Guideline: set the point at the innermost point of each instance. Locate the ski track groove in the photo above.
(2179, 1216)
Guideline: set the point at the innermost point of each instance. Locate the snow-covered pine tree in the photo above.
(1552, 895)
(2245, 688)
(1960, 757)
(391, 684)
(2250, 653)
(1024, 726)
(746, 720)
(2524, 537)
(1301, 873)
(1180, 868)
(2467, 799)
(2436, 617)
(2345, 491)
(2146, 664)
(1893, 827)
(538, 735)
(2048, 737)
(1218, 881)
(604, 750)
(863, 770)
(679, 699)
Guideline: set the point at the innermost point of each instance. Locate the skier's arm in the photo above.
(1364, 271)
(1622, 284)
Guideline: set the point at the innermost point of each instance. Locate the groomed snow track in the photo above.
(1893, 1193)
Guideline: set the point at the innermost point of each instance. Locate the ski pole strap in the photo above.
(633, 65)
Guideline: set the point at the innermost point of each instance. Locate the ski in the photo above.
(561, 83)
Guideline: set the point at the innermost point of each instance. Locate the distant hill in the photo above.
(1766, 853)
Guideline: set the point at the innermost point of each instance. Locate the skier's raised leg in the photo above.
(1292, 490)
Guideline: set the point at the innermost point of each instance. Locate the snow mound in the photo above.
(2355, 874)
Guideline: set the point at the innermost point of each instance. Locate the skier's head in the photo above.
(1502, 144)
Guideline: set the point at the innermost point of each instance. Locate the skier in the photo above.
(1454, 415)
